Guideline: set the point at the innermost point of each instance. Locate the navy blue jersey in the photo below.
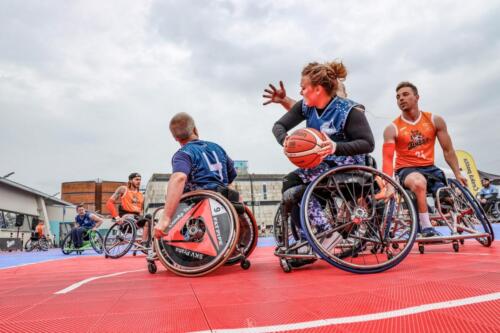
(205, 163)
(85, 221)
(332, 122)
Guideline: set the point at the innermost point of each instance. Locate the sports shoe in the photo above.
(430, 232)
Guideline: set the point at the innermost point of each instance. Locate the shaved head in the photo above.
(182, 126)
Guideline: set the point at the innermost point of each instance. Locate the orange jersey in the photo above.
(415, 141)
(39, 230)
(132, 201)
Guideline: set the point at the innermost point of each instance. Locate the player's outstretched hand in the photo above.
(274, 95)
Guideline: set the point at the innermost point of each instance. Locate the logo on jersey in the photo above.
(328, 128)
(416, 139)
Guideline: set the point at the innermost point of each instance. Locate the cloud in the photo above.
(87, 87)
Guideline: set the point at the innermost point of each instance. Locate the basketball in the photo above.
(302, 148)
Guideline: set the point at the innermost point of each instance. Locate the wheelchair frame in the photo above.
(130, 225)
(87, 244)
(384, 238)
(233, 253)
(453, 219)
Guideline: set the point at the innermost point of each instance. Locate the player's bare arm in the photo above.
(98, 220)
(175, 189)
(448, 151)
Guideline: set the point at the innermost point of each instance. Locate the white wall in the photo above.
(15, 200)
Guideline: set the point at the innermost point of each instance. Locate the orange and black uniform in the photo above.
(39, 230)
(415, 150)
(131, 203)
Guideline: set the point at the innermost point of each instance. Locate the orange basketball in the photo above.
(302, 147)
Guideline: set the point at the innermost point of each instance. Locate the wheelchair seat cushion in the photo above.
(234, 197)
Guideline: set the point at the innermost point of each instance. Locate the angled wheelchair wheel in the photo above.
(247, 240)
(97, 241)
(28, 247)
(352, 224)
(471, 217)
(67, 245)
(292, 231)
(120, 238)
(202, 235)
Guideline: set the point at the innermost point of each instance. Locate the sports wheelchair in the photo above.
(92, 239)
(367, 231)
(127, 235)
(456, 209)
(492, 208)
(207, 231)
(37, 243)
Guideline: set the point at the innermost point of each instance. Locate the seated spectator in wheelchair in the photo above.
(324, 107)
(412, 137)
(38, 234)
(487, 196)
(131, 202)
(197, 165)
(84, 221)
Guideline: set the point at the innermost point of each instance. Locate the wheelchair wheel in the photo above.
(120, 238)
(28, 247)
(278, 228)
(97, 242)
(247, 240)
(470, 215)
(67, 245)
(201, 236)
(44, 244)
(351, 227)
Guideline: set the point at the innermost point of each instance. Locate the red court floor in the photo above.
(440, 291)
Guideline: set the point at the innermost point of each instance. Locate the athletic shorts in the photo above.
(435, 177)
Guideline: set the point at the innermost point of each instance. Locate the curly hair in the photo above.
(326, 75)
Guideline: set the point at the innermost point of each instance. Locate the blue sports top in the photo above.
(332, 122)
(85, 221)
(490, 192)
(205, 163)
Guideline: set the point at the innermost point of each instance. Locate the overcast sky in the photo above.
(87, 88)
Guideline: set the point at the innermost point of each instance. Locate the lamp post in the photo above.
(9, 174)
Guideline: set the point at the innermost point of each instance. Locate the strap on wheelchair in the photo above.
(233, 196)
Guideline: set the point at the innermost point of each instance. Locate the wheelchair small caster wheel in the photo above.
(395, 246)
(421, 248)
(462, 241)
(134, 253)
(152, 267)
(245, 264)
(106, 256)
(285, 266)
(456, 247)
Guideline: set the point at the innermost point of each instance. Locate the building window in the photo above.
(8, 219)
(264, 191)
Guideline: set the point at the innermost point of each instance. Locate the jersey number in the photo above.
(215, 167)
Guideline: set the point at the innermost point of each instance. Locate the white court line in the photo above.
(455, 253)
(363, 318)
(81, 283)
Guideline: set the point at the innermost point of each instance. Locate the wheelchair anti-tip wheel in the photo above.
(247, 240)
(471, 218)
(201, 236)
(353, 225)
(120, 238)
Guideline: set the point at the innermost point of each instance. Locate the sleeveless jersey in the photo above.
(85, 221)
(415, 141)
(131, 202)
(332, 122)
(208, 165)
